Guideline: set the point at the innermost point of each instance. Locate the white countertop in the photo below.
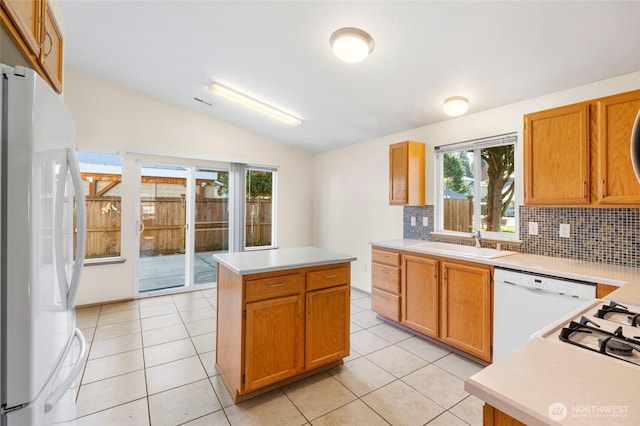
(565, 268)
(252, 262)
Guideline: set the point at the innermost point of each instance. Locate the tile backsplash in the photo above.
(602, 235)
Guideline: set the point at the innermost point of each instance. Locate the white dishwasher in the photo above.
(525, 302)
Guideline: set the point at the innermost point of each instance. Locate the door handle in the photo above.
(81, 215)
(63, 387)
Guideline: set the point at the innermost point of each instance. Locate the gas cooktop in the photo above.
(606, 328)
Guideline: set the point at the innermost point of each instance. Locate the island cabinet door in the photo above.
(274, 341)
(466, 315)
(327, 329)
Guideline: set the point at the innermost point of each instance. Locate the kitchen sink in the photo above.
(468, 251)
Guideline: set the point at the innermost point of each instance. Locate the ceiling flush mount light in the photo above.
(455, 106)
(351, 45)
(254, 104)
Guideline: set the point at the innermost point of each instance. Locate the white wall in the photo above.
(350, 185)
(112, 118)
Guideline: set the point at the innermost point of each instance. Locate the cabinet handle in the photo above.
(47, 35)
(435, 272)
(277, 285)
(584, 189)
(310, 305)
(602, 189)
(330, 276)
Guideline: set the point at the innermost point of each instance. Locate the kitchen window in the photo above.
(102, 178)
(476, 188)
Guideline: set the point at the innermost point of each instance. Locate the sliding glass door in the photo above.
(162, 224)
(183, 219)
(211, 219)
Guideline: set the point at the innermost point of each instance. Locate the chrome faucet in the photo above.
(476, 234)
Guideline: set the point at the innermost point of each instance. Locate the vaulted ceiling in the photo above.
(494, 53)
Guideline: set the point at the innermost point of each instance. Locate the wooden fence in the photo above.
(164, 230)
(458, 214)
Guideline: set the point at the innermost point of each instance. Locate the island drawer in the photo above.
(272, 287)
(387, 257)
(385, 278)
(328, 278)
(386, 304)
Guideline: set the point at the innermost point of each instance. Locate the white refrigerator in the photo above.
(42, 253)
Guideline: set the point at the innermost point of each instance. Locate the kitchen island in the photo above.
(282, 315)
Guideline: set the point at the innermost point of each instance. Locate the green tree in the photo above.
(500, 165)
(259, 184)
(453, 174)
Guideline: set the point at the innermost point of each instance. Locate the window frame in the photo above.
(107, 259)
(476, 145)
(274, 204)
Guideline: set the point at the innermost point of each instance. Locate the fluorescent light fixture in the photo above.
(351, 45)
(455, 106)
(254, 104)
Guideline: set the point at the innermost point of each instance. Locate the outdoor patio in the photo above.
(167, 271)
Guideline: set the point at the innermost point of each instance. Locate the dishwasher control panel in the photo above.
(557, 285)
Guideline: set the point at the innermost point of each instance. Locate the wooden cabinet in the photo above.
(327, 326)
(274, 349)
(407, 173)
(281, 325)
(451, 301)
(385, 283)
(51, 52)
(25, 15)
(556, 156)
(420, 302)
(580, 154)
(615, 181)
(491, 416)
(602, 290)
(34, 29)
(466, 313)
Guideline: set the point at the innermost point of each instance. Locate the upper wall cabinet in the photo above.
(616, 183)
(580, 154)
(33, 28)
(556, 155)
(406, 174)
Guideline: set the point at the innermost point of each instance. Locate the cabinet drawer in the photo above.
(386, 257)
(385, 278)
(269, 288)
(328, 278)
(386, 304)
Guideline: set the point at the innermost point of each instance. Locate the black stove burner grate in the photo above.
(606, 311)
(613, 344)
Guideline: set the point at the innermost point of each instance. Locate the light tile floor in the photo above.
(151, 362)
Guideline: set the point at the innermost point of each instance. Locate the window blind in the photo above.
(489, 142)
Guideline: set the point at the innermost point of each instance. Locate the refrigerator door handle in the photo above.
(58, 225)
(81, 223)
(55, 396)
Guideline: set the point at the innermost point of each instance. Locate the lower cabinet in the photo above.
(441, 298)
(274, 349)
(491, 416)
(327, 326)
(466, 308)
(278, 325)
(420, 294)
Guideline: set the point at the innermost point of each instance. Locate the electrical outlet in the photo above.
(425, 221)
(533, 228)
(413, 221)
(565, 230)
